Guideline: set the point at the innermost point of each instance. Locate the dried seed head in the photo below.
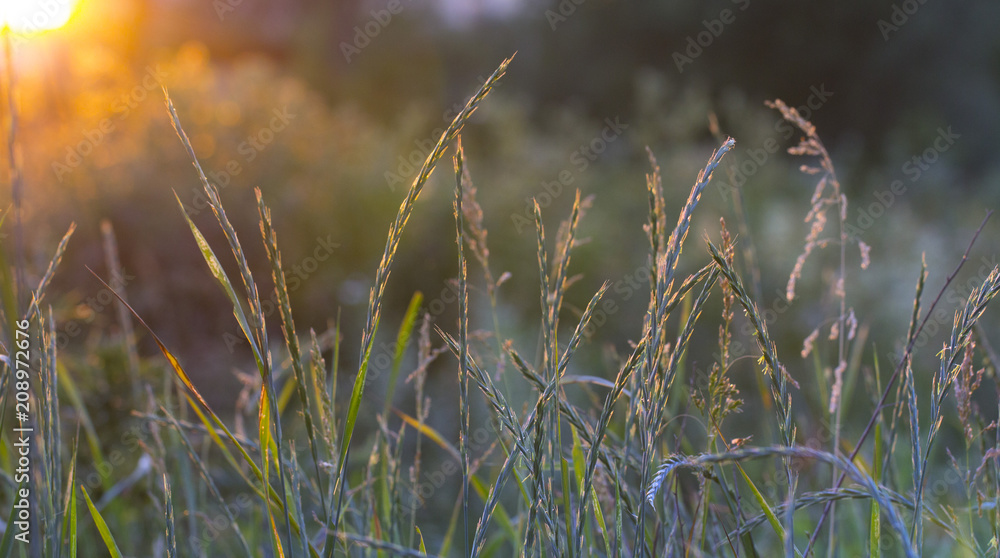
(852, 324)
(807, 345)
(838, 288)
(966, 383)
(838, 385)
(865, 252)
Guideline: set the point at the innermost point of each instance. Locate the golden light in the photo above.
(27, 17)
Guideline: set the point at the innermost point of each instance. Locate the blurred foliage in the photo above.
(90, 101)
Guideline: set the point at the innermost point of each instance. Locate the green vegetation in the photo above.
(650, 459)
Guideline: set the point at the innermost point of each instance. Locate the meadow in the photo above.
(673, 365)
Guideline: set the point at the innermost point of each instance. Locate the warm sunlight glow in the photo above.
(34, 16)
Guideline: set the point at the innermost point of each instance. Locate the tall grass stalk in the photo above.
(463, 338)
(828, 194)
(254, 329)
(652, 399)
(385, 266)
(904, 361)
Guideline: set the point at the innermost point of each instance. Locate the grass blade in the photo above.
(875, 525)
(69, 502)
(215, 267)
(402, 342)
(102, 527)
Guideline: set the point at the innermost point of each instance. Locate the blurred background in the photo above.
(330, 107)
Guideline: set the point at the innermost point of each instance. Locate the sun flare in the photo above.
(35, 16)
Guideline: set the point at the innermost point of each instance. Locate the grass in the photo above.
(547, 462)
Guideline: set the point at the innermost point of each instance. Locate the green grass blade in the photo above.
(266, 443)
(69, 502)
(93, 440)
(215, 267)
(449, 534)
(102, 527)
(72, 523)
(772, 519)
(567, 509)
(402, 342)
(875, 525)
(420, 536)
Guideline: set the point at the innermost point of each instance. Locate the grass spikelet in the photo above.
(951, 367)
(652, 388)
(665, 468)
(255, 329)
(288, 329)
(966, 382)
(656, 228)
(463, 334)
(721, 397)
(385, 266)
(679, 234)
(870, 486)
(773, 368)
(168, 511)
(50, 271)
